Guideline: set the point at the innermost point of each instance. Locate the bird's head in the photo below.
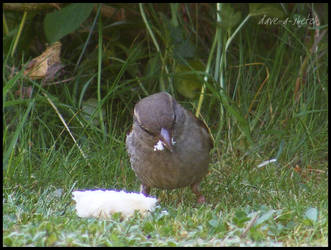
(156, 115)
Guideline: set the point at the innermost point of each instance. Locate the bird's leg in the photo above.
(145, 190)
(195, 189)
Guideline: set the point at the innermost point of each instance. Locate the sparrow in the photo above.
(168, 146)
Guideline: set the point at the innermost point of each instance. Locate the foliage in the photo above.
(60, 23)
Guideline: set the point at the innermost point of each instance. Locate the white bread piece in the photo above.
(102, 203)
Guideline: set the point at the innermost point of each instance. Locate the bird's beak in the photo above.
(165, 137)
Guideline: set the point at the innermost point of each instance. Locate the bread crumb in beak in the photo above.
(159, 146)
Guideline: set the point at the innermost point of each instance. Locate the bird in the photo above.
(168, 146)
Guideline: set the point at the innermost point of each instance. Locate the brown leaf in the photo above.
(43, 65)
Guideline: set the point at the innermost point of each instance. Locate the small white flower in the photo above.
(159, 146)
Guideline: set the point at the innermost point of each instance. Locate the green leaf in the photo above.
(184, 49)
(181, 45)
(229, 17)
(188, 82)
(60, 23)
(266, 216)
(268, 9)
(312, 214)
(213, 223)
(240, 218)
(148, 227)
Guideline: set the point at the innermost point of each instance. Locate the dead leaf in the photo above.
(46, 65)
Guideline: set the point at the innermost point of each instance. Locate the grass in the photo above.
(46, 217)
(258, 115)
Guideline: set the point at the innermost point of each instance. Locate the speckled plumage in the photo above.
(183, 161)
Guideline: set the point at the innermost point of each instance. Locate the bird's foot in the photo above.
(201, 199)
(145, 190)
(196, 191)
